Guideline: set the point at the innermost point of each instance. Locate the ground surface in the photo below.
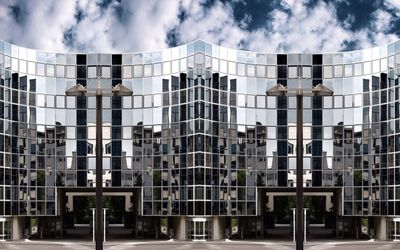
(187, 245)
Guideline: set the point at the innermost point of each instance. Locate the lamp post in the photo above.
(117, 90)
(280, 90)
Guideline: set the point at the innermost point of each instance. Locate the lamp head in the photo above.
(77, 90)
(277, 90)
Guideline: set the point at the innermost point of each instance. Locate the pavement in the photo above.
(199, 245)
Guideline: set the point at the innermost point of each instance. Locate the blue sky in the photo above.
(148, 25)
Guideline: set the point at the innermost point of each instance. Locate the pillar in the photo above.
(17, 228)
(380, 228)
(180, 228)
(218, 228)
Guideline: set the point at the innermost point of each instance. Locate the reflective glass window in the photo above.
(166, 68)
(31, 68)
(232, 68)
(92, 72)
(367, 68)
(60, 71)
(157, 69)
(40, 69)
(70, 71)
(327, 72)
(357, 69)
(250, 70)
(271, 71)
(105, 72)
(137, 71)
(338, 71)
(260, 71)
(292, 71)
(306, 72)
(348, 70)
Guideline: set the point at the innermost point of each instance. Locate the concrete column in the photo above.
(18, 226)
(380, 228)
(270, 203)
(180, 228)
(218, 227)
(70, 202)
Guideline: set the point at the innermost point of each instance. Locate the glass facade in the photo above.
(199, 136)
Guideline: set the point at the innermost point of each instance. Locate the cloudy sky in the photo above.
(148, 25)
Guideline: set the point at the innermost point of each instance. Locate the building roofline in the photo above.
(395, 44)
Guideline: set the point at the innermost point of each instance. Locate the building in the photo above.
(199, 151)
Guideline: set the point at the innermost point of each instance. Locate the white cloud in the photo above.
(39, 25)
(392, 4)
(144, 26)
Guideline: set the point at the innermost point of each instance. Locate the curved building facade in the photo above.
(199, 144)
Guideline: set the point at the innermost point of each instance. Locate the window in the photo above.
(250, 70)
(166, 68)
(157, 69)
(348, 70)
(92, 72)
(306, 72)
(241, 69)
(60, 71)
(40, 69)
(293, 72)
(127, 72)
(70, 71)
(327, 71)
(367, 68)
(232, 68)
(147, 70)
(338, 70)
(271, 72)
(138, 71)
(260, 71)
(106, 72)
(357, 69)
(31, 68)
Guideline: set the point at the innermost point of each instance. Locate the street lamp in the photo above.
(117, 90)
(280, 90)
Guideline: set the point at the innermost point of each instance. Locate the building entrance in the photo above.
(393, 229)
(200, 229)
(121, 218)
(320, 220)
(5, 226)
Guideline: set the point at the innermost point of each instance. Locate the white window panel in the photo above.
(232, 68)
(70, 71)
(292, 72)
(306, 72)
(241, 69)
(105, 72)
(22, 66)
(92, 71)
(40, 69)
(367, 68)
(167, 68)
(60, 71)
(250, 70)
(348, 70)
(157, 69)
(271, 71)
(147, 70)
(31, 68)
(137, 70)
(338, 70)
(328, 71)
(50, 70)
(260, 71)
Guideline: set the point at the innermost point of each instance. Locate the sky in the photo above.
(290, 26)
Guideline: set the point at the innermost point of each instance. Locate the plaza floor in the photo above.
(188, 245)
